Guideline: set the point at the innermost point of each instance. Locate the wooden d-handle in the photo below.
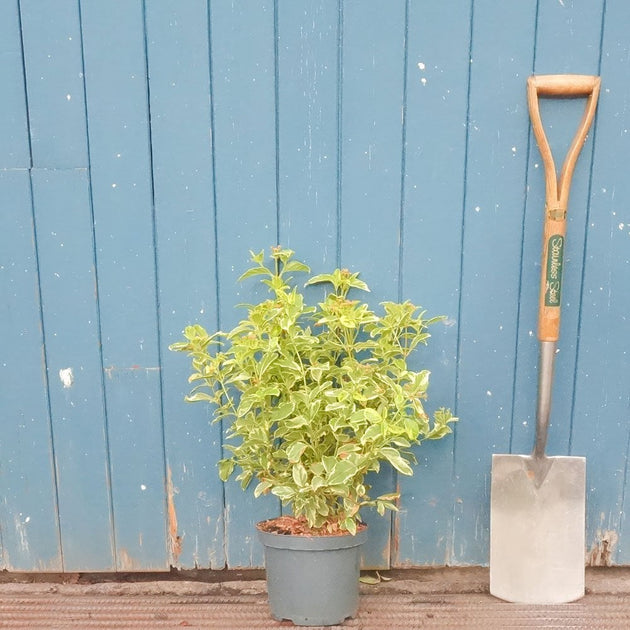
(557, 189)
(564, 84)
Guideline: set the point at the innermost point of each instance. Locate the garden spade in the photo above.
(537, 510)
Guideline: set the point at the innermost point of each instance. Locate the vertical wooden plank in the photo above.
(602, 387)
(28, 509)
(67, 276)
(14, 145)
(497, 149)
(372, 101)
(54, 76)
(120, 161)
(308, 111)
(243, 87)
(181, 119)
(437, 98)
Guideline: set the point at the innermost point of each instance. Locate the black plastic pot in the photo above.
(313, 580)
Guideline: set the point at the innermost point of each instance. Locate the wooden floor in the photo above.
(444, 598)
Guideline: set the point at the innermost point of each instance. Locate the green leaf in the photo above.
(329, 462)
(282, 411)
(392, 496)
(300, 476)
(180, 346)
(254, 271)
(359, 284)
(296, 265)
(245, 478)
(342, 472)
(257, 258)
(369, 579)
(322, 277)
(396, 460)
(295, 451)
(199, 397)
(351, 525)
(381, 506)
(262, 488)
(296, 423)
(369, 415)
(226, 468)
(377, 579)
(347, 322)
(285, 493)
(373, 432)
(317, 482)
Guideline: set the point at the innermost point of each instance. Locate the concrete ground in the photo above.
(414, 598)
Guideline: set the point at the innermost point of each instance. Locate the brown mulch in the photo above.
(298, 526)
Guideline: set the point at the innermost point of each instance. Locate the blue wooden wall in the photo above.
(145, 147)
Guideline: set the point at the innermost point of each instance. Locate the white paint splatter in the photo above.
(423, 81)
(421, 65)
(143, 487)
(66, 377)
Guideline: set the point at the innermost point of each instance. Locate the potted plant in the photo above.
(316, 397)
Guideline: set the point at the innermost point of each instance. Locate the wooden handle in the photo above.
(564, 84)
(557, 189)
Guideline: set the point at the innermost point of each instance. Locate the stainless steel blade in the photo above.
(537, 542)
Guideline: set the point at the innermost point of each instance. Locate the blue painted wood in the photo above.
(54, 77)
(122, 193)
(602, 400)
(178, 54)
(373, 70)
(71, 333)
(497, 148)
(435, 142)
(350, 132)
(308, 118)
(244, 93)
(14, 145)
(28, 509)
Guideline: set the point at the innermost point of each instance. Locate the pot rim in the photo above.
(313, 542)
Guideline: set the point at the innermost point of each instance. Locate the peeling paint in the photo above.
(20, 528)
(174, 540)
(602, 549)
(126, 562)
